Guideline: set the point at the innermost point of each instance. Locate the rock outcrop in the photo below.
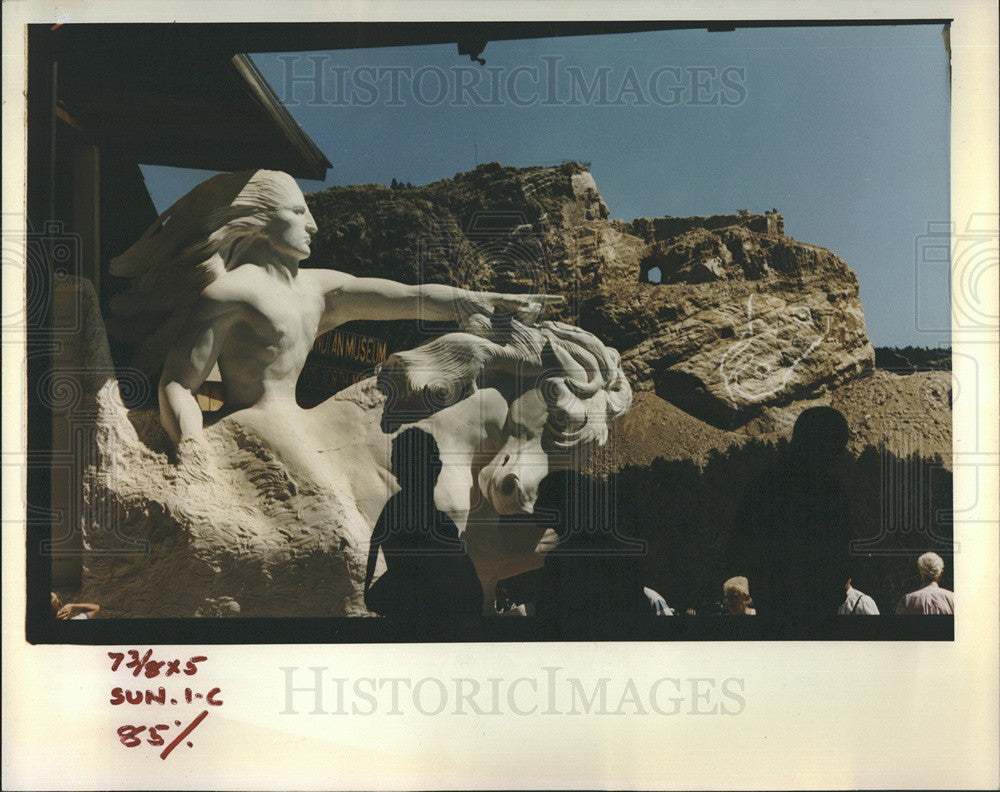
(724, 317)
(228, 532)
(740, 322)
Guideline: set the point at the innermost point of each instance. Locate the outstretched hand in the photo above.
(72, 609)
(524, 307)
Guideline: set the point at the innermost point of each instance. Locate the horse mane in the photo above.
(580, 379)
(586, 392)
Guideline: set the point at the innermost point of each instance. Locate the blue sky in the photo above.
(845, 130)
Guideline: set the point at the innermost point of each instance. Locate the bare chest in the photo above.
(282, 319)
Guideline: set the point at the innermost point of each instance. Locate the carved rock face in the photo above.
(743, 319)
(781, 323)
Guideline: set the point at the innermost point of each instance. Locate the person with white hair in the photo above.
(736, 592)
(930, 598)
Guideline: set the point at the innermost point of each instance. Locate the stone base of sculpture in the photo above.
(230, 532)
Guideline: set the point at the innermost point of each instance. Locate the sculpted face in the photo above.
(291, 226)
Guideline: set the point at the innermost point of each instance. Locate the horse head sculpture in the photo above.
(561, 384)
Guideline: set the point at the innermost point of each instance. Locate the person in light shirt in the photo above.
(930, 598)
(857, 603)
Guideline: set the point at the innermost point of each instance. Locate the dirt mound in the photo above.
(903, 414)
(653, 428)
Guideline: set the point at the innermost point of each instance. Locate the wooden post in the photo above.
(87, 210)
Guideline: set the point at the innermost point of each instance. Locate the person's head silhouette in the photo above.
(575, 504)
(416, 460)
(820, 434)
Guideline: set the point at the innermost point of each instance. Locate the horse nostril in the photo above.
(509, 484)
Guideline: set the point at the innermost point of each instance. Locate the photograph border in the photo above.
(816, 715)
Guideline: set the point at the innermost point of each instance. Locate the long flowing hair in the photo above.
(190, 245)
(579, 378)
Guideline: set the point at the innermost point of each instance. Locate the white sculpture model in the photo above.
(216, 281)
